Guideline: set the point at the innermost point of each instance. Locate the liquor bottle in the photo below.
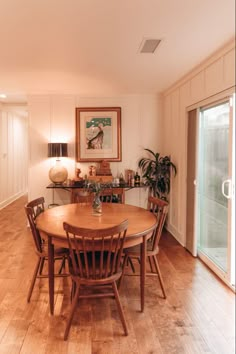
(136, 180)
(121, 179)
(129, 179)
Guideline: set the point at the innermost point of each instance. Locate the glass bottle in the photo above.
(136, 180)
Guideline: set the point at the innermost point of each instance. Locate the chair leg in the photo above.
(143, 258)
(62, 265)
(73, 290)
(129, 260)
(151, 265)
(120, 281)
(41, 266)
(120, 310)
(36, 269)
(159, 276)
(72, 311)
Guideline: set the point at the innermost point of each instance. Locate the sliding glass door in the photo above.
(215, 241)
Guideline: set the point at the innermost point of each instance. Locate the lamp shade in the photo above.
(57, 150)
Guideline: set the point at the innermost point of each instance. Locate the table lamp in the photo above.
(58, 173)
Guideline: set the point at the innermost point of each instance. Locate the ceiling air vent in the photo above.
(149, 45)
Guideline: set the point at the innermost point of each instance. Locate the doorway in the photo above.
(211, 193)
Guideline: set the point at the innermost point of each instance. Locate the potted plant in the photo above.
(156, 171)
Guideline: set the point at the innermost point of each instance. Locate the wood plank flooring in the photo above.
(198, 315)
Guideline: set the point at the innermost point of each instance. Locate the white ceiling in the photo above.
(91, 47)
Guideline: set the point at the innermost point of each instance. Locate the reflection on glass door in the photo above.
(214, 185)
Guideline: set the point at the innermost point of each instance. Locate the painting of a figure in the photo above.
(97, 141)
(98, 134)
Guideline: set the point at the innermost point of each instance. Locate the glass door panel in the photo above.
(212, 180)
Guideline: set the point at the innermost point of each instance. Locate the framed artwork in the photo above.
(98, 134)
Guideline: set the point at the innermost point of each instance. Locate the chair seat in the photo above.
(58, 251)
(61, 251)
(135, 250)
(96, 282)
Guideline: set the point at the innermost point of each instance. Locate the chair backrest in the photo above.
(96, 254)
(119, 194)
(160, 208)
(32, 210)
(37, 206)
(113, 195)
(107, 195)
(81, 196)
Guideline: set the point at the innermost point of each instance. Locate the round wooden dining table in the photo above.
(141, 223)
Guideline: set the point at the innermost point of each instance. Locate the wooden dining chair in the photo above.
(95, 262)
(160, 208)
(107, 195)
(119, 194)
(113, 195)
(33, 209)
(81, 196)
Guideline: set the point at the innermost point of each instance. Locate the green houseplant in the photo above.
(156, 171)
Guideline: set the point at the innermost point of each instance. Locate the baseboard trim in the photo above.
(175, 234)
(11, 199)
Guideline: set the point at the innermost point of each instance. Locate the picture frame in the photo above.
(98, 134)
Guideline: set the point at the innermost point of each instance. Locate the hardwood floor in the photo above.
(198, 315)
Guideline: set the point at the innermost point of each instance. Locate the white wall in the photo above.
(207, 82)
(52, 118)
(13, 153)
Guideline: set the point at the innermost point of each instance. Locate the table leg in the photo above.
(143, 270)
(51, 274)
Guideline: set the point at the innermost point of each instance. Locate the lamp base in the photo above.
(53, 205)
(58, 173)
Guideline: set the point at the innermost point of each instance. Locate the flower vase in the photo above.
(97, 205)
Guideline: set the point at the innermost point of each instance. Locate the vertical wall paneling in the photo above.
(205, 83)
(197, 87)
(11, 158)
(4, 157)
(166, 124)
(229, 69)
(39, 136)
(150, 133)
(62, 125)
(13, 148)
(182, 170)
(175, 154)
(214, 77)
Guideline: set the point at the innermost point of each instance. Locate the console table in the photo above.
(118, 189)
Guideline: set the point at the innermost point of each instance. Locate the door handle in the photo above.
(224, 183)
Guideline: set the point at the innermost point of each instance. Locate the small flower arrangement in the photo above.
(94, 187)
